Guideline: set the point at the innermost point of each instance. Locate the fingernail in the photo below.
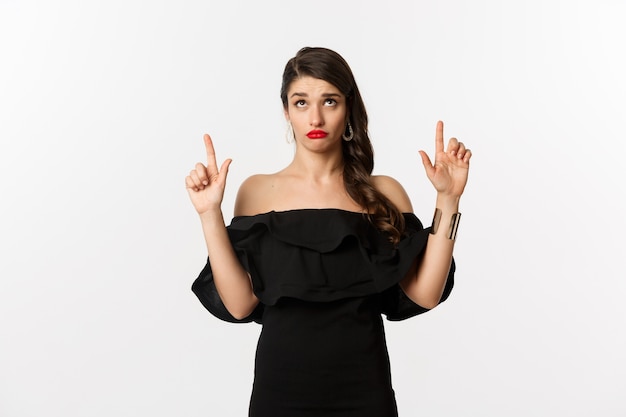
(205, 182)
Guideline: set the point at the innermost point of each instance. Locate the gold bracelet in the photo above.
(454, 223)
(436, 221)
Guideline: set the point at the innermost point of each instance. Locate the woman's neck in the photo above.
(316, 168)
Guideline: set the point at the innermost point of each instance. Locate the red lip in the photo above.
(316, 134)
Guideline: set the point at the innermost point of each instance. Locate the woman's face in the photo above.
(318, 113)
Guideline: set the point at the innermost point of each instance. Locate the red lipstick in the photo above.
(316, 134)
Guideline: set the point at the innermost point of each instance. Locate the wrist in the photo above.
(211, 215)
(447, 203)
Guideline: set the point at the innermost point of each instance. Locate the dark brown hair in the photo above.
(358, 154)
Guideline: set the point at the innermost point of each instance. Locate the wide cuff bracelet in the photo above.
(454, 224)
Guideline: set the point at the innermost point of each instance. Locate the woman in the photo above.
(318, 251)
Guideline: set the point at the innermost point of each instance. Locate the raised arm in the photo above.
(425, 283)
(205, 185)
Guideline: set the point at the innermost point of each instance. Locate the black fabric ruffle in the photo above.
(320, 255)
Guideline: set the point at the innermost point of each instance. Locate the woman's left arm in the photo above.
(425, 282)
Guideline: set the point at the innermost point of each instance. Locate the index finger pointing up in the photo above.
(210, 154)
(439, 137)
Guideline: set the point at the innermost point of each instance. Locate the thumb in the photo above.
(428, 166)
(224, 169)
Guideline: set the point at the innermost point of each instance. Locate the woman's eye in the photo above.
(330, 102)
(300, 103)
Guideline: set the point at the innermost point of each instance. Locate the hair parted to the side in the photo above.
(328, 65)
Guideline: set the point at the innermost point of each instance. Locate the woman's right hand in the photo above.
(205, 184)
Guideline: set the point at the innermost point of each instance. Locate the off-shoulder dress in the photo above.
(324, 278)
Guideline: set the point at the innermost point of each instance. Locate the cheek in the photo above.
(297, 121)
(340, 121)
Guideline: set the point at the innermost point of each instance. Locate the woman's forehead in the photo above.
(310, 85)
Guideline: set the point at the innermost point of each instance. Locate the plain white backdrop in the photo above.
(102, 110)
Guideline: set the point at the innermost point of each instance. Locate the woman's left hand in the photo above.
(449, 172)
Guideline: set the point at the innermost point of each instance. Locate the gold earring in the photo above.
(290, 136)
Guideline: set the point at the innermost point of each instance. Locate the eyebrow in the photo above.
(325, 95)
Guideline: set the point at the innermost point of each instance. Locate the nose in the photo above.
(316, 118)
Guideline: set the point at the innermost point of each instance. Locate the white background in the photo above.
(102, 109)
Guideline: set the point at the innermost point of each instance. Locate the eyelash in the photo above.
(330, 101)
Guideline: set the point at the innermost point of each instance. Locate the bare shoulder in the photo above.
(253, 195)
(394, 191)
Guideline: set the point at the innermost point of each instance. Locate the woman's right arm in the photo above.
(205, 185)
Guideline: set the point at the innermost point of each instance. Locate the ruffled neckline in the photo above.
(303, 210)
(319, 229)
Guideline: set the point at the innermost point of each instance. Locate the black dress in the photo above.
(324, 278)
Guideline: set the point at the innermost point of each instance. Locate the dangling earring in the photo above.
(289, 135)
(350, 133)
